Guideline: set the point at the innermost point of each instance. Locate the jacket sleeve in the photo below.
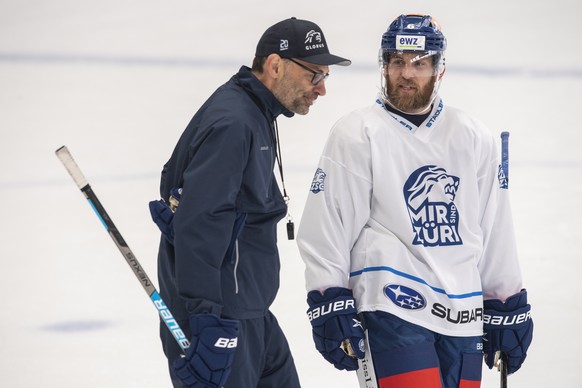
(337, 206)
(204, 221)
(499, 264)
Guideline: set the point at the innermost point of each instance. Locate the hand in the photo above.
(337, 330)
(209, 358)
(163, 216)
(162, 213)
(508, 328)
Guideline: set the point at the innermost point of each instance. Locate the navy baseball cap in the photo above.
(301, 39)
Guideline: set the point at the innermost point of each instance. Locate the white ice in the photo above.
(117, 82)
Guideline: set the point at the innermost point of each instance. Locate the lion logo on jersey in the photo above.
(429, 193)
(317, 184)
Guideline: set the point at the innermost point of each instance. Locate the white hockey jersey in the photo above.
(413, 220)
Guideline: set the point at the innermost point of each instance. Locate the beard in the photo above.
(413, 102)
(293, 97)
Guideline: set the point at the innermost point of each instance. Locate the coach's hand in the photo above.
(209, 358)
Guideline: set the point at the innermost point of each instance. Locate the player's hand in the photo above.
(337, 330)
(508, 328)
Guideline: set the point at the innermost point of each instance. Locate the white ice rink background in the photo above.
(117, 82)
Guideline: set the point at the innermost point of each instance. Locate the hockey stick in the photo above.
(65, 157)
(505, 168)
(366, 374)
(503, 370)
(505, 158)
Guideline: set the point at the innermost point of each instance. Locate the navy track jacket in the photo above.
(225, 259)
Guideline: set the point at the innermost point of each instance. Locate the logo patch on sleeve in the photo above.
(318, 183)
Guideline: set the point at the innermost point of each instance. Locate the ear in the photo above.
(273, 66)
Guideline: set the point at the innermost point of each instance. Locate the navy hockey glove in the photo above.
(508, 328)
(337, 330)
(209, 358)
(163, 213)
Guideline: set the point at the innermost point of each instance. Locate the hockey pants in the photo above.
(405, 355)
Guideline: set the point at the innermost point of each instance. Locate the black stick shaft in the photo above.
(503, 370)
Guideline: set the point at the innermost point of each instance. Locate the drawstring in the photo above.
(279, 158)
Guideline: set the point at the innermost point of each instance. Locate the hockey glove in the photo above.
(508, 328)
(337, 330)
(209, 358)
(162, 213)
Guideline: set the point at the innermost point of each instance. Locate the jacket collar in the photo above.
(262, 96)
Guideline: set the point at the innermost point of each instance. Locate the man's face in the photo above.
(294, 89)
(409, 81)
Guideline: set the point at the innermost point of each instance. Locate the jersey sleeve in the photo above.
(337, 206)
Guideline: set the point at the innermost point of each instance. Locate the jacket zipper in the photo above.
(236, 266)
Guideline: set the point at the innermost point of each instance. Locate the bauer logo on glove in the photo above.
(332, 307)
(337, 330)
(506, 320)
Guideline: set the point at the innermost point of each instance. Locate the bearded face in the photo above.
(410, 82)
(409, 95)
(295, 89)
(293, 95)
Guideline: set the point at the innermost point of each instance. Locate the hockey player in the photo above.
(218, 262)
(407, 233)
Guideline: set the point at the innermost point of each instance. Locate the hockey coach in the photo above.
(218, 262)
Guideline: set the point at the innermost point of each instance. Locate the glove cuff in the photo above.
(334, 301)
(512, 303)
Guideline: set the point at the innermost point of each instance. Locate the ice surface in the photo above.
(117, 81)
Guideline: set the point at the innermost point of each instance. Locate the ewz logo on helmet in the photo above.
(407, 42)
